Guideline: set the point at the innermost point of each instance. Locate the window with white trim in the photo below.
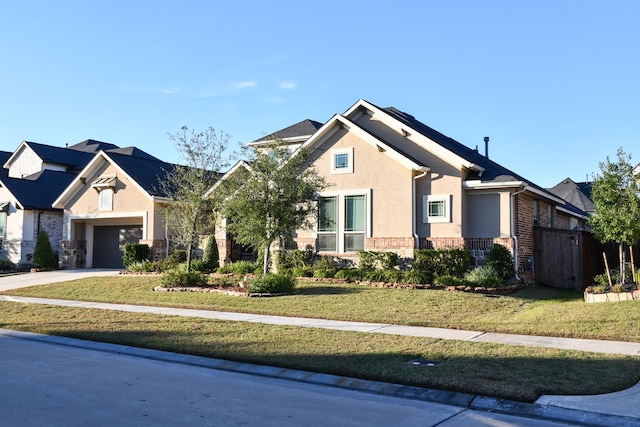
(342, 160)
(436, 209)
(106, 199)
(343, 222)
(3, 224)
(327, 224)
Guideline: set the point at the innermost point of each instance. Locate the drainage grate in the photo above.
(425, 362)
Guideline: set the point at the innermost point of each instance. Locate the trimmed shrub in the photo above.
(271, 283)
(135, 252)
(43, 255)
(211, 257)
(500, 259)
(199, 265)
(6, 265)
(484, 276)
(441, 262)
(178, 278)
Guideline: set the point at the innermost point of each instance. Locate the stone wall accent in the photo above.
(158, 248)
(72, 253)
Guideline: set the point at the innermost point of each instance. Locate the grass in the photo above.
(522, 373)
(531, 311)
(512, 372)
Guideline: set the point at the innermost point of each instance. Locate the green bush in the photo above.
(484, 276)
(178, 278)
(441, 262)
(244, 267)
(135, 252)
(176, 257)
(449, 280)
(145, 266)
(325, 262)
(271, 283)
(324, 273)
(211, 256)
(349, 274)
(199, 265)
(416, 277)
(500, 259)
(293, 258)
(302, 272)
(43, 255)
(372, 260)
(6, 265)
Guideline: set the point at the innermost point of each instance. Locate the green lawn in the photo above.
(512, 372)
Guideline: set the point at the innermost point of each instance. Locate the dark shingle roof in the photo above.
(49, 185)
(576, 193)
(92, 146)
(72, 159)
(144, 170)
(304, 128)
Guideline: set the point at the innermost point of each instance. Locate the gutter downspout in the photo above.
(414, 224)
(513, 230)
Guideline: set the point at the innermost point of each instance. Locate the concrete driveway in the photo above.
(44, 277)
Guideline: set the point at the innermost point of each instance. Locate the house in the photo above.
(398, 185)
(32, 177)
(576, 193)
(115, 199)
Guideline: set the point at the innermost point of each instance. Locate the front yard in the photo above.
(512, 372)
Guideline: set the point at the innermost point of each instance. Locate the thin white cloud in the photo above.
(287, 85)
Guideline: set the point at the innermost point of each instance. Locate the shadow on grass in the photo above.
(517, 376)
(326, 290)
(546, 293)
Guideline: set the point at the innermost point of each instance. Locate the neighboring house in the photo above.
(294, 136)
(114, 200)
(576, 193)
(32, 177)
(398, 185)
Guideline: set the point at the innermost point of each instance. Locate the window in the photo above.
(3, 222)
(436, 209)
(550, 221)
(342, 160)
(354, 217)
(536, 212)
(327, 224)
(342, 222)
(106, 199)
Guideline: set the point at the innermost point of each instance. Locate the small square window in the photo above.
(342, 160)
(436, 209)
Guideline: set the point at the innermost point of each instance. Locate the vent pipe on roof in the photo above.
(486, 147)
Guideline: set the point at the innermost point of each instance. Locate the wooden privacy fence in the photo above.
(565, 258)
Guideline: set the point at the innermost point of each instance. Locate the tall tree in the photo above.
(272, 195)
(616, 196)
(189, 215)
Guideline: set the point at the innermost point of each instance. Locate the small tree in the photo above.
(43, 255)
(616, 196)
(272, 196)
(188, 213)
(211, 257)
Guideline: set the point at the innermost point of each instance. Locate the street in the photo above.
(45, 384)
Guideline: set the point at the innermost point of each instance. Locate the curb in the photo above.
(464, 400)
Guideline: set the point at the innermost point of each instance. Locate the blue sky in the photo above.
(555, 84)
